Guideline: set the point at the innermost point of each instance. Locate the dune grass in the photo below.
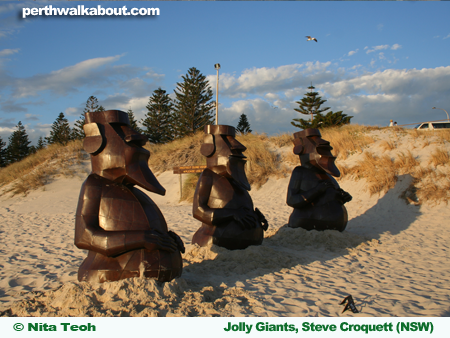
(36, 170)
(270, 157)
(381, 172)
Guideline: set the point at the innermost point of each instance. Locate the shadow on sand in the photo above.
(288, 247)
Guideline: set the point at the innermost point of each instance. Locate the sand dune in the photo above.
(392, 259)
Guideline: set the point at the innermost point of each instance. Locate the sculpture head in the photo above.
(313, 150)
(117, 152)
(224, 154)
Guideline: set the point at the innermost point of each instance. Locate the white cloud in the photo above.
(259, 81)
(6, 52)
(448, 36)
(69, 79)
(372, 98)
(375, 48)
(261, 115)
(352, 52)
(396, 46)
(271, 96)
(72, 111)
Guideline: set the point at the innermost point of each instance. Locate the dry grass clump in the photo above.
(180, 152)
(345, 140)
(348, 139)
(189, 185)
(381, 173)
(387, 145)
(35, 170)
(431, 191)
(406, 163)
(261, 162)
(281, 140)
(443, 135)
(439, 157)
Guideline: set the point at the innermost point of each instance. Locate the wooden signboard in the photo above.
(187, 170)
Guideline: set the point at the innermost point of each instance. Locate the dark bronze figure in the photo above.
(221, 201)
(316, 197)
(123, 229)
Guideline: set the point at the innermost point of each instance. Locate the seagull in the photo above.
(310, 38)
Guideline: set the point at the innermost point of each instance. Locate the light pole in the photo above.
(443, 110)
(217, 67)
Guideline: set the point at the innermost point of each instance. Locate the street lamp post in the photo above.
(217, 67)
(443, 110)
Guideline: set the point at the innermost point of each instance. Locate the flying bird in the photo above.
(310, 38)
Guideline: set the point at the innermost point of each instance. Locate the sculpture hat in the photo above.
(314, 150)
(224, 154)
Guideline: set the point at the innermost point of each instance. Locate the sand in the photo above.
(392, 258)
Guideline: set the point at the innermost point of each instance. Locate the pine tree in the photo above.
(321, 121)
(243, 126)
(331, 119)
(19, 145)
(309, 105)
(158, 121)
(2, 153)
(133, 122)
(40, 143)
(91, 106)
(60, 132)
(193, 105)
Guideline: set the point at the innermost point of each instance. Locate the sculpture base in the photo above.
(160, 265)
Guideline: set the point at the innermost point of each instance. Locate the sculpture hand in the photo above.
(346, 197)
(155, 240)
(178, 241)
(324, 185)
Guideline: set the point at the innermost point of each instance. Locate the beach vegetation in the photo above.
(2, 153)
(60, 132)
(133, 122)
(193, 104)
(243, 126)
(37, 169)
(159, 121)
(353, 145)
(18, 144)
(439, 157)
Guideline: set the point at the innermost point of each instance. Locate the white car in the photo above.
(433, 126)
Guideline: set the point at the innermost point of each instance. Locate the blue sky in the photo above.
(373, 60)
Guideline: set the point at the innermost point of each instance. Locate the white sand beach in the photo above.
(392, 258)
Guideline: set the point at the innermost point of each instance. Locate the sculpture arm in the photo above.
(298, 198)
(200, 208)
(217, 216)
(90, 236)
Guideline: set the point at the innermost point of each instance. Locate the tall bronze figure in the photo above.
(221, 201)
(316, 197)
(123, 229)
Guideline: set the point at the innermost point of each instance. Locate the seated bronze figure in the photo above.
(123, 229)
(221, 200)
(316, 197)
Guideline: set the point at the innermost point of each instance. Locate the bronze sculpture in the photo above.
(221, 200)
(123, 229)
(316, 197)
